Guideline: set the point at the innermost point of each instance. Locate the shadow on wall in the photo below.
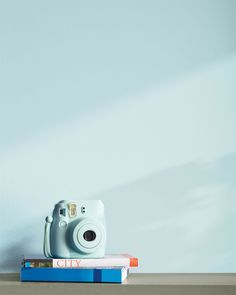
(179, 220)
(26, 240)
(12, 256)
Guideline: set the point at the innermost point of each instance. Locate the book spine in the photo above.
(83, 263)
(73, 275)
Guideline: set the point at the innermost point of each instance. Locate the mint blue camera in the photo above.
(75, 230)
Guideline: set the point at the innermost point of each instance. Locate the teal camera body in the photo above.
(75, 230)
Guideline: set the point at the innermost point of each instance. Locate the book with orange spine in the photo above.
(115, 260)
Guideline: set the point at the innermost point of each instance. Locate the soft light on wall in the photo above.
(132, 103)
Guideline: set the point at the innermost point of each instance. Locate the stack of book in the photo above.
(110, 269)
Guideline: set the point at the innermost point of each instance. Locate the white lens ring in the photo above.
(89, 244)
(78, 235)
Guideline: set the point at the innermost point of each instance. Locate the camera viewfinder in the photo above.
(62, 212)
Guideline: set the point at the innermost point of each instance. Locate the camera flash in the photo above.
(72, 210)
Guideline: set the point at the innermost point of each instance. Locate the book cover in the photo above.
(118, 260)
(86, 275)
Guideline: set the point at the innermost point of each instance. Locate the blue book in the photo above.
(86, 275)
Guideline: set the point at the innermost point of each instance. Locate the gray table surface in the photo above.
(166, 284)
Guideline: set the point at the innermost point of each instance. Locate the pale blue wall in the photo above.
(132, 102)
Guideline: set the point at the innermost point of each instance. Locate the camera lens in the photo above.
(89, 235)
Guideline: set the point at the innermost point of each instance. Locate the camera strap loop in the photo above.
(46, 244)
